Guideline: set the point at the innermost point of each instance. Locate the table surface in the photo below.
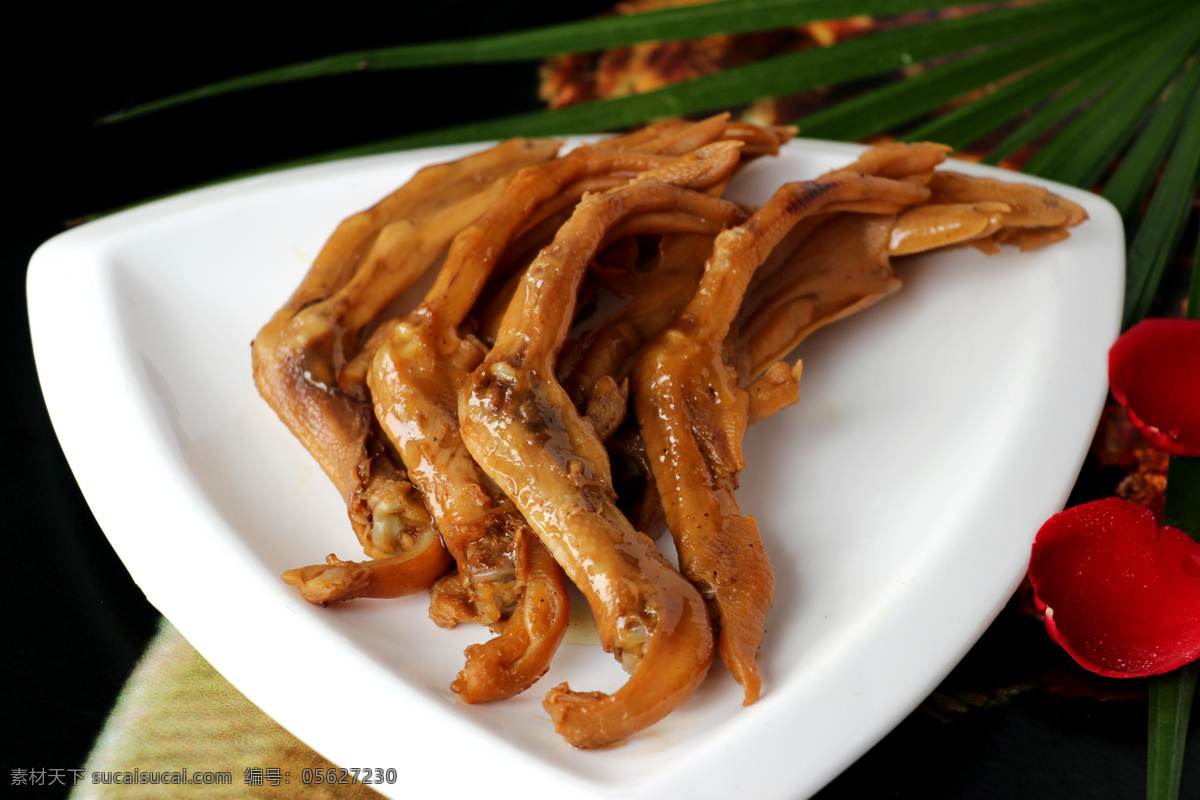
(1016, 718)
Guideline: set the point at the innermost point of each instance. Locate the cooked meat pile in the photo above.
(473, 437)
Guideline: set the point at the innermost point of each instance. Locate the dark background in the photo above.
(1016, 719)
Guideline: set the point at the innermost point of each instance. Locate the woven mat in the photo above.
(177, 713)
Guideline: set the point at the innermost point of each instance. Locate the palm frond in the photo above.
(1092, 81)
(1160, 229)
(962, 126)
(660, 25)
(1082, 151)
(923, 93)
(1131, 181)
(854, 59)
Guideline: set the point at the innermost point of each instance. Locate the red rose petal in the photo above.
(1122, 594)
(1154, 371)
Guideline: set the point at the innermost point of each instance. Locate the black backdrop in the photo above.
(76, 623)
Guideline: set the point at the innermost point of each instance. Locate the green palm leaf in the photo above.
(1160, 229)
(925, 92)
(863, 57)
(1080, 153)
(1131, 181)
(964, 125)
(661, 25)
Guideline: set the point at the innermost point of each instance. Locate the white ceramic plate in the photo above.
(898, 500)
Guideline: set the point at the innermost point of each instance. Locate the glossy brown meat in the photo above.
(659, 294)
(411, 571)
(297, 356)
(414, 381)
(844, 265)
(693, 414)
(607, 352)
(525, 432)
(818, 252)
(683, 136)
(841, 267)
(1035, 217)
(786, 300)
(670, 136)
(513, 661)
